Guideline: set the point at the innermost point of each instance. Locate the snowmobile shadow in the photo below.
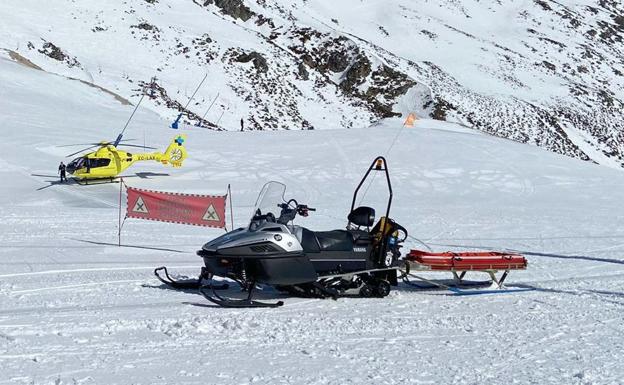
(580, 257)
(208, 305)
(128, 246)
(609, 293)
(233, 292)
(423, 286)
(214, 306)
(453, 288)
(579, 293)
(547, 255)
(163, 286)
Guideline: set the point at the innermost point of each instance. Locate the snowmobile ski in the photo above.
(187, 284)
(217, 299)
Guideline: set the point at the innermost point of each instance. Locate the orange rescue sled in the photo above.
(459, 263)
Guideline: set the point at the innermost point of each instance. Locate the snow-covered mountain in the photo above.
(544, 72)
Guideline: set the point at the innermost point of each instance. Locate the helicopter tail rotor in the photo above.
(176, 152)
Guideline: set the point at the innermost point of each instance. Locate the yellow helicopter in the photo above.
(108, 161)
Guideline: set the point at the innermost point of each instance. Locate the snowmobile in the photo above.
(361, 260)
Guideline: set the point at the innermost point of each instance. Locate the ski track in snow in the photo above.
(74, 312)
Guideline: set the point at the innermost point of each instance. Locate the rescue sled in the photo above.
(460, 263)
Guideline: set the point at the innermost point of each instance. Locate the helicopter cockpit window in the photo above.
(79, 163)
(102, 162)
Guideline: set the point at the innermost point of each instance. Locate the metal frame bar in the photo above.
(382, 249)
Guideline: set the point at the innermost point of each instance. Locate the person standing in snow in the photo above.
(61, 170)
(242, 124)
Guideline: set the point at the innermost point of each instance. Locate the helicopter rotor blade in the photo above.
(93, 143)
(79, 151)
(136, 145)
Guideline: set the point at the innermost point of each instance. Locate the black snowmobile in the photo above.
(359, 261)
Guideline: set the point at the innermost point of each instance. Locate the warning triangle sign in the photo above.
(411, 118)
(140, 206)
(211, 215)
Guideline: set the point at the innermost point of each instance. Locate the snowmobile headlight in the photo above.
(277, 237)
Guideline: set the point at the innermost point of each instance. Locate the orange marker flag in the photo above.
(411, 118)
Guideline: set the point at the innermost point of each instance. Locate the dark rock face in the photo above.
(262, 20)
(145, 26)
(146, 31)
(205, 48)
(259, 62)
(338, 55)
(337, 61)
(302, 71)
(56, 53)
(549, 65)
(440, 108)
(361, 78)
(356, 74)
(235, 8)
(391, 82)
(53, 52)
(387, 85)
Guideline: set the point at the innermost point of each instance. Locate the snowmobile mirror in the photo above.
(362, 216)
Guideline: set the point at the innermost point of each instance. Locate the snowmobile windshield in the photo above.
(266, 208)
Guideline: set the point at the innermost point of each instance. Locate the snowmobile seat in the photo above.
(335, 240)
(307, 239)
(362, 216)
(361, 237)
(315, 242)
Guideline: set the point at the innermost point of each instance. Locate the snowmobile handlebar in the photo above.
(290, 210)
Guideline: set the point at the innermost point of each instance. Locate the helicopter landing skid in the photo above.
(84, 182)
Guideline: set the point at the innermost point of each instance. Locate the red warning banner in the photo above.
(191, 209)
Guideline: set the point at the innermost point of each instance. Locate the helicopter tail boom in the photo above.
(175, 152)
(173, 155)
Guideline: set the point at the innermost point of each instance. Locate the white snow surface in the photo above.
(77, 309)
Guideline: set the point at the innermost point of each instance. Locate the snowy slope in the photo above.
(542, 72)
(75, 309)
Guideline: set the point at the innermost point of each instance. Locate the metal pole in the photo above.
(119, 218)
(220, 116)
(231, 210)
(209, 107)
(129, 120)
(196, 89)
